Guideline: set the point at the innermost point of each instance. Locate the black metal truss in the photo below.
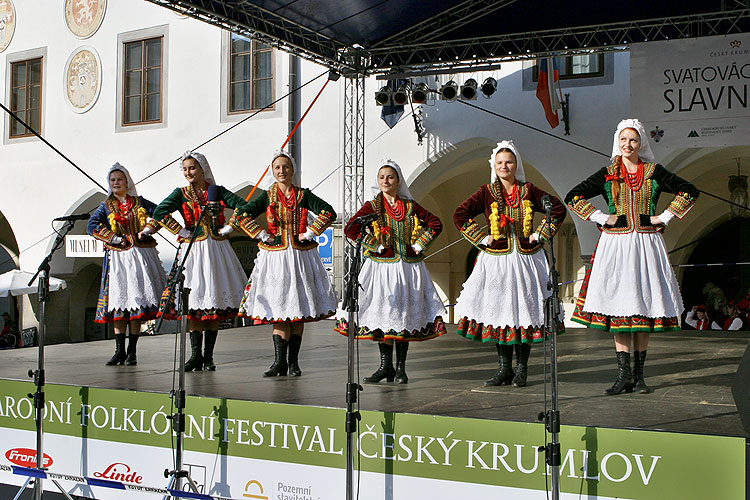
(416, 47)
(245, 18)
(445, 22)
(556, 42)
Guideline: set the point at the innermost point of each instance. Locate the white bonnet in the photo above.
(131, 185)
(203, 162)
(403, 189)
(645, 153)
(520, 174)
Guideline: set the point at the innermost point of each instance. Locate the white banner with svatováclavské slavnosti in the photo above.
(692, 93)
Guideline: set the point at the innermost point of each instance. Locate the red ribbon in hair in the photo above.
(505, 220)
(611, 177)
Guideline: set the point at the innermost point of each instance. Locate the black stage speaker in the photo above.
(741, 389)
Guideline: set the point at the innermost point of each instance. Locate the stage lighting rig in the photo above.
(449, 91)
(401, 96)
(489, 87)
(383, 96)
(419, 93)
(469, 90)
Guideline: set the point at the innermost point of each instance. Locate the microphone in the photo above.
(72, 218)
(214, 206)
(366, 219)
(547, 203)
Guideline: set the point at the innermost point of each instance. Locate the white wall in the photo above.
(48, 187)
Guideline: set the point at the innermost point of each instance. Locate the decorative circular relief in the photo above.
(83, 75)
(7, 23)
(84, 17)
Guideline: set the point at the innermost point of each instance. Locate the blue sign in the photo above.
(325, 246)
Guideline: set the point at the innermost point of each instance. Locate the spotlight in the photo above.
(449, 91)
(489, 86)
(469, 90)
(383, 96)
(401, 96)
(419, 93)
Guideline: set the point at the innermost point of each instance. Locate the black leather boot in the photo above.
(624, 381)
(295, 342)
(119, 357)
(196, 358)
(639, 359)
(132, 343)
(504, 373)
(522, 364)
(385, 370)
(279, 366)
(401, 349)
(208, 350)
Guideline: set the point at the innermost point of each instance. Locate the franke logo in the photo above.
(26, 457)
(120, 472)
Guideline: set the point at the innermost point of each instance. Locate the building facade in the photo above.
(130, 82)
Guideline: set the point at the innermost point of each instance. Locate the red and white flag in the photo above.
(546, 92)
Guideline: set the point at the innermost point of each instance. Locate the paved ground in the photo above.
(691, 375)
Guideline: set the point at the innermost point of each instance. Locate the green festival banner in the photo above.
(597, 462)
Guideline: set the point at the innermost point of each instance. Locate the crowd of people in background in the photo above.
(9, 333)
(718, 313)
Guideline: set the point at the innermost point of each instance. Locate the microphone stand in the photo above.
(177, 288)
(351, 305)
(551, 418)
(37, 397)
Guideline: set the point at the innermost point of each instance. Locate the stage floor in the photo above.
(691, 374)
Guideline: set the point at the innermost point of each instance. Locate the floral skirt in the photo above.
(630, 286)
(398, 302)
(131, 284)
(215, 278)
(288, 285)
(503, 299)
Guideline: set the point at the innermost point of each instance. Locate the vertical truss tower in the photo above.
(353, 195)
(354, 158)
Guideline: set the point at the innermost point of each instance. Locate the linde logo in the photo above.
(119, 471)
(26, 457)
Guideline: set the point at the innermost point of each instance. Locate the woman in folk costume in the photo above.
(503, 299)
(399, 303)
(132, 276)
(212, 271)
(289, 285)
(630, 288)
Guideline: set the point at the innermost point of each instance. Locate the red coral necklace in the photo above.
(397, 211)
(513, 198)
(289, 202)
(634, 180)
(125, 206)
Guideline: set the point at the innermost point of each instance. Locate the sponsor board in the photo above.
(26, 457)
(244, 449)
(121, 472)
(692, 92)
